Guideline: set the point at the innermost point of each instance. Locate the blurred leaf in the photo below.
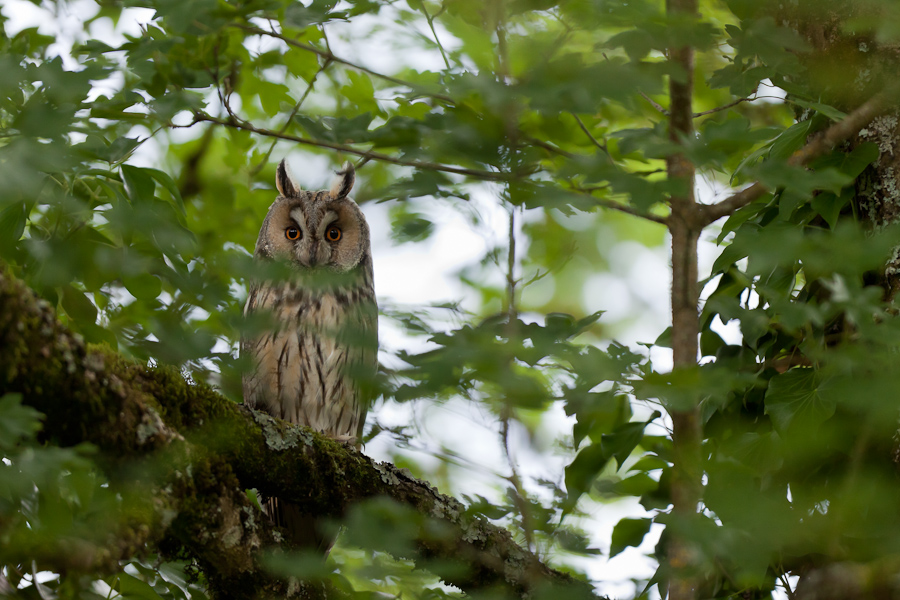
(143, 286)
(795, 396)
(628, 532)
(17, 422)
(133, 588)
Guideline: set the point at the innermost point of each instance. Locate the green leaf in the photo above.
(411, 228)
(628, 532)
(167, 182)
(829, 111)
(272, 96)
(593, 459)
(793, 138)
(17, 422)
(12, 225)
(121, 148)
(301, 63)
(299, 16)
(710, 342)
(665, 338)
(302, 565)
(583, 470)
(794, 397)
(144, 286)
(132, 588)
(852, 163)
(77, 306)
(139, 183)
(622, 442)
(829, 205)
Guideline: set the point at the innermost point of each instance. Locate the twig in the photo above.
(437, 40)
(721, 108)
(512, 316)
(548, 147)
(820, 145)
(588, 133)
(236, 123)
(287, 123)
(654, 104)
(327, 54)
(665, 112)
(623, 208)
(786, 584)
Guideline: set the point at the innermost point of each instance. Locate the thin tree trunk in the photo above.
(685, 226)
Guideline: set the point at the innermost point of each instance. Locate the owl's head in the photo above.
(323, 229)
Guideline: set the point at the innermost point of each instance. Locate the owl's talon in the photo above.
(348, 440)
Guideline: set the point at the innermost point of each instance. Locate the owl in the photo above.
(313, 366)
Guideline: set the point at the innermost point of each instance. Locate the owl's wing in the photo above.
(368, 325)
(249, 348)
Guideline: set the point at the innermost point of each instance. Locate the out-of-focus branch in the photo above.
(850, 581)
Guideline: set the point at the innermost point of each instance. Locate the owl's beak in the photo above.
(314, 254)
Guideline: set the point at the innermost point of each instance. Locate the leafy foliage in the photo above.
(137, 163)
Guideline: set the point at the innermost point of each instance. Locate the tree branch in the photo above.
(287, 123)
(685, 229)
(818, 146)
(588, 133)
(623, 208)
(723, 107)
(326, 54)
(195, 506)
(368, 155)
(851, 581)
(217, 449)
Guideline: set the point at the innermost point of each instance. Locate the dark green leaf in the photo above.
(795, 397)
(628, 532)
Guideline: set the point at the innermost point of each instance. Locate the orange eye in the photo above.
(292, 233)
(333, 234)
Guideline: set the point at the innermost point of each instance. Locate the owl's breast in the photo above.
(303, 368)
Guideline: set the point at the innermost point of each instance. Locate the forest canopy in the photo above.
(561, 166)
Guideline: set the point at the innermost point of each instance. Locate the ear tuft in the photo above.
(284, 182)
(343, 183)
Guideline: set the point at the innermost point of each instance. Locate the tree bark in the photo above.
(685, 225)
(209, 450)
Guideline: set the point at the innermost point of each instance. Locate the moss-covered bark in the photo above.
(200, 452)
(844, 68)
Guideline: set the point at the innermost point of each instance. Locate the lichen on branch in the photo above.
(212, 450)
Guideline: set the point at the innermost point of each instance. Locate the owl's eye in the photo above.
(333, 234)
(292, 233)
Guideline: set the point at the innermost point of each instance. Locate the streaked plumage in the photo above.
(311, 369)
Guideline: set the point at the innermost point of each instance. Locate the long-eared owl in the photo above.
(313, 366)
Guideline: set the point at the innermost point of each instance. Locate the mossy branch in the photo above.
(210, 450)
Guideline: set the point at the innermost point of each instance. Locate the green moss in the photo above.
(201, 452)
